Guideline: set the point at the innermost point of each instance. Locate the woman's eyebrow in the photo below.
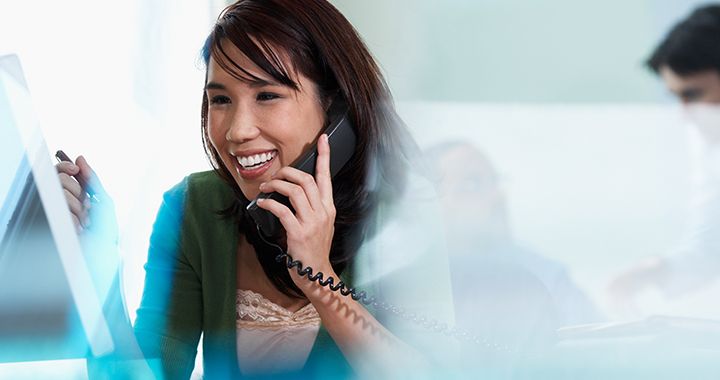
(259, 82)
(255, 83)
(215, 86)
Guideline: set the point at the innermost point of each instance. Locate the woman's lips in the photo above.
(254, 172)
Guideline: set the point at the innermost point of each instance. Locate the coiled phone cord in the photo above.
(362, 296)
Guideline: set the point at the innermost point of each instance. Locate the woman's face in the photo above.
(259, 127)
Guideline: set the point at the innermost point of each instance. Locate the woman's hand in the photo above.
(96, 213)
(368, 345)
(310, 229)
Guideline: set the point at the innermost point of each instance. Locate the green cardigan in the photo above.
(190, 288)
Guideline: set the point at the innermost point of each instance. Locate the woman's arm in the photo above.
(168, 321)
(368, 346)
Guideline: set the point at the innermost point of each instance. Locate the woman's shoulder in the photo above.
(200, 189)
(207, 180)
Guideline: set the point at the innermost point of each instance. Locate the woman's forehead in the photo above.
(245, 71)
(229, 60)
(217, 71)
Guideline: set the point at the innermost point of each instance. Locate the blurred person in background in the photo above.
(688, 61)
(501, 289)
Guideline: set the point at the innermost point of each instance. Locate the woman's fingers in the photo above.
(318, 189)
(70, 175)
(70, 185)
(322, 173)
(282, 212)
(68, 168)
(294, 192)
(65, 172)
(85, 170)
(91, 179)
(77, 208)
(74, 194)
(311, 197)
(305, 180)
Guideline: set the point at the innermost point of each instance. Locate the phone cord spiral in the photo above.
(431, 324)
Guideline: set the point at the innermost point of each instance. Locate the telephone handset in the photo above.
(342, 140)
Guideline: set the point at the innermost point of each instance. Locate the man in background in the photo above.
(688, 61)
(501, 288)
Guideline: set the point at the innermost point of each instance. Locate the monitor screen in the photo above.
(50, 308)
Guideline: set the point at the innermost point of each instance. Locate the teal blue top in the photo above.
(190, 288)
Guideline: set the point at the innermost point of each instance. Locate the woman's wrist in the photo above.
(312, 289)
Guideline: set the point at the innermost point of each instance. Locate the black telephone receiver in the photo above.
(342, 140)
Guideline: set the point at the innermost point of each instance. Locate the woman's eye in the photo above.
(265, 96)
(219, 99)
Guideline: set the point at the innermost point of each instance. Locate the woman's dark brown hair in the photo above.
(321, 44)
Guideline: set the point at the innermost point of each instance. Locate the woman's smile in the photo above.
(253, 164)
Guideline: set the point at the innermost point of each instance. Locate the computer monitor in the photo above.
(50, 307)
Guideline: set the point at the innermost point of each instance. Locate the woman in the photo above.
(273, 69)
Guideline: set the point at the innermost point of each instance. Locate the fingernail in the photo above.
(262, 185)
(260, 200)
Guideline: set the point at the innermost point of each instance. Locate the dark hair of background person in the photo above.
(322, 45)
(693, 45)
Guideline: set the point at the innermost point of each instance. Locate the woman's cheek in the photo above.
(216, 136)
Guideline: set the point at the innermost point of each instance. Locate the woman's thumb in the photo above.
(88, 174)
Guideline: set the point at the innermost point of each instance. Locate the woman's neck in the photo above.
(250, 276)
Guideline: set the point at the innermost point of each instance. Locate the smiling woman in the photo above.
(273, 69)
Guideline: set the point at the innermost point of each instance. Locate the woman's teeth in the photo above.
(249, 162)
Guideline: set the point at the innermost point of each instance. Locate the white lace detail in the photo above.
(257, 312)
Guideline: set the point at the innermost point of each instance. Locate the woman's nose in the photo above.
(243, 126)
